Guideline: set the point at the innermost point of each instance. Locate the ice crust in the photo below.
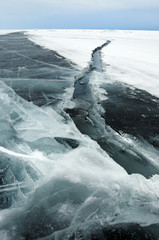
(57, 183)
(69, 188)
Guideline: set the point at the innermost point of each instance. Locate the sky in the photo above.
(79, 14)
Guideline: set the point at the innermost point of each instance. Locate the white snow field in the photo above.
(131, 57)
(76, 45)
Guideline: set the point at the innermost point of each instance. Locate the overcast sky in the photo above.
(111, 14)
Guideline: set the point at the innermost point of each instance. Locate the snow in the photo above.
(132, 57)
(4, 32)
(76, 45)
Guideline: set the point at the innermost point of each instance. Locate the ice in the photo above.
(132, 56)
(71, 44)
(64, 172)
(134, 60)
(74, 185)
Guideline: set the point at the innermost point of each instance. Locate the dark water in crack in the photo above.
(62, 181)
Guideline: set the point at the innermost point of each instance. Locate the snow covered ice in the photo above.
(79, 135)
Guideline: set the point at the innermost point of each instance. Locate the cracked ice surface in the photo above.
(131, 58)
(62, 175)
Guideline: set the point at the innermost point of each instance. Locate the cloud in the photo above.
(32, 13)
(101, 4)
(76, 5)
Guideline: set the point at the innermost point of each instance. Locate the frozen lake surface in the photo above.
(79, 135)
